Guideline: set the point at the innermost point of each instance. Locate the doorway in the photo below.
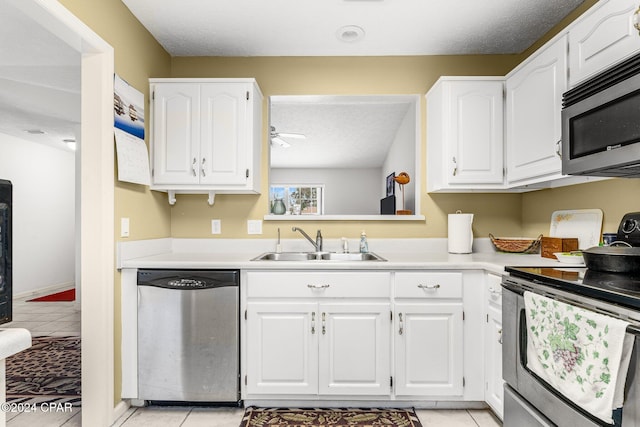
(95, 190)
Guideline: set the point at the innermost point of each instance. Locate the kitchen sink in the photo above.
(287, 256)
(335, 256)
(318, 256)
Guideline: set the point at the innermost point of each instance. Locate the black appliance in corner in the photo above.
(5, 251)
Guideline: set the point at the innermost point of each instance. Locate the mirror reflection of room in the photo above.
(332, 155)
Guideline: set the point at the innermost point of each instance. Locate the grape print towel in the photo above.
(582, 354)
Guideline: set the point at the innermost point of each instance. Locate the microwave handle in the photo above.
(559, 148)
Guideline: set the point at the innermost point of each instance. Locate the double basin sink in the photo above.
(317, 256)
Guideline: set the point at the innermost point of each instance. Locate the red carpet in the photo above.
(68, 295)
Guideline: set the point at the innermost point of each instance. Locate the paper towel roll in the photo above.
(460, 233)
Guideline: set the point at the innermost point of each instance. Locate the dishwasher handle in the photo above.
(188, 280)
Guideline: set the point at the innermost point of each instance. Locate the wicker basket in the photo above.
(516, 245)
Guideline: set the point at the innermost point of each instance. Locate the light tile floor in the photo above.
(63, 319)
(58, 318)
(230, 417)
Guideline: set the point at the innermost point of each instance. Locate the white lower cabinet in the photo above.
(358, 335)
(494, 384)
(310, 334)
(354, 349)
(282, 347)
(428, 335)
(428, 349)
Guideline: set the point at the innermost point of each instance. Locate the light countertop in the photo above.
(399, 253)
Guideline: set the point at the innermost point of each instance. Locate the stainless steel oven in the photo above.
(601, 124)
(529, 400)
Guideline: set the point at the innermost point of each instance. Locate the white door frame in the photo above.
(96, 181)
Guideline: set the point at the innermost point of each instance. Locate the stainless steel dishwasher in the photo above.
(188, 335)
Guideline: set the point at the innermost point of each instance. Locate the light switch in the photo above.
(254, 226)
(124, 227)
(216, 226)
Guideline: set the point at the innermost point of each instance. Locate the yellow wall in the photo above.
(614, 196)
(494, 213)
(191, 216)
(137, 57)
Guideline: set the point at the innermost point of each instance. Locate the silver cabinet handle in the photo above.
(317, 286)
(313, 323)
(401, 329)
(494, 291)
(559, 148)
(436, 286)
(500, 335)
(324, 326)
(455, 167)
(193, 167)
(202, 167)
(636, 19)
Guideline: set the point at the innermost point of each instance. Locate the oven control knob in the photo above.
(629, 225)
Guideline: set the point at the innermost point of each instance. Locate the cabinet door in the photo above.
(534, 104)
(602, 37)
(176, 133)
(226, 134)
(475, 132)
(428, 349)
(355, 351)
(282, 348)
(493, 359)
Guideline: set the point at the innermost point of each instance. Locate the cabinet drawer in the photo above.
(428, 285)
(316, 284)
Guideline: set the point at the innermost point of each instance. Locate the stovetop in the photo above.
(614, 288)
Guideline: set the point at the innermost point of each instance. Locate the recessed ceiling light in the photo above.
(350, 33)
(35, 131)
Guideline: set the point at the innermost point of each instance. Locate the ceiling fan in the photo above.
(276, 137)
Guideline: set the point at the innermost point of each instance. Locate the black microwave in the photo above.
(601, 123)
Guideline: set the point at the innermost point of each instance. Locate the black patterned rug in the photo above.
(49, 370)
(333, 417)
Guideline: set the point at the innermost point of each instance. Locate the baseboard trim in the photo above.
(44, 291)
(119, 410)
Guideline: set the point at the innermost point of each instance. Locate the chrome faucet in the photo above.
(318, 242)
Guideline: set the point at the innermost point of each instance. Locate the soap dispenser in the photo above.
(364, 246)
(345, 245)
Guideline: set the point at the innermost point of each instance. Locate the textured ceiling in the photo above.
(309, 27)
(39, 81)
(40, 74)
(341, 131)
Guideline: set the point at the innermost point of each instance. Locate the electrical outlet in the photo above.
(124, 227)
(216, 226)
(254, 226)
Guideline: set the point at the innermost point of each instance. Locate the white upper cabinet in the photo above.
(206, 135)
(533, 115)
(225, 133)
(176, 133)
(602, 37)
(465, 134)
